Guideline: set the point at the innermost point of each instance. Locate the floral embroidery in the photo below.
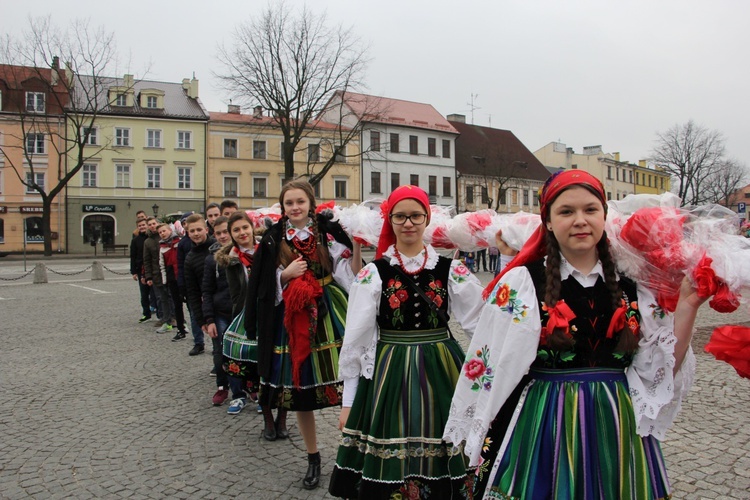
(477, 370)
(397, 295)
(364, 276)
(436, 294)
(346, 254)
(460, 273)
(507, 299)
(658, 312)
(412, 490)
(330, 239)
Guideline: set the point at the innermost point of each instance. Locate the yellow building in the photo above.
(619, 178)
(246, 165)
(147, 151)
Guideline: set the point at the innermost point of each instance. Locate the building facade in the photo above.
(246, 160)
(495, 170)
(619, 178)
(403, 142)
(146, 151)
(31, 124)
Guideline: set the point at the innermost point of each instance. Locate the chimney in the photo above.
(128, 82)
(258, 112)
(55, 62)
(233, 109)
(456, 118)
(642, 163)
(616, 154)
(55, 73)
(193, 89)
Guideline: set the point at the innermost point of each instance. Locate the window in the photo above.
(394, 143)
(485, 196)
(316, 190)
(2, 231)
(609, 171)
(446, 148)
(609, 195)
(88, 173)
(649, 180)
(259, 187)
(184, 140)
(375, 182)
(153, 177)
(259, 150)
(661, 179)
(151, 101)
(395, 181)
(339, 188)
(503, 196)
(525, 197)
(35, 102)
(339, 153)
(35, 178)
(432, 185)
(122, 137)
(121, 100)
(91, 139)
(184, 177)
(536, 197)
(282, 145)
(230, 187)
(1, 100)
(446, 186)
(431, 147)
(469, 194)
(34, 230)
(230, 148)
(35, 144)
(413, 145)
(414, 179)
(313, 153)
(631, 176)
(617, 174)
(153, 138)
(122, 176)
(374, 141)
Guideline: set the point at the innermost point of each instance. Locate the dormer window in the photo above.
(35, 102)
(121, 100)
(151, 101)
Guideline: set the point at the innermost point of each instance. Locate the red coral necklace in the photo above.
(306, 247)
(403, 267)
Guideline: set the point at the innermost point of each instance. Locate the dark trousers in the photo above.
(222, 324)
(145, 297)
(179, 313)
(493, 263)
(482, 259)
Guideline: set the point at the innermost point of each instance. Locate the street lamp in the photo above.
(155, 208)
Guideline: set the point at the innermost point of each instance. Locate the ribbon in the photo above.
(617, 322)
(560, 316)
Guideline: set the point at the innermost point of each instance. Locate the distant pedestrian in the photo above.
(136, 269)
(151, 270)
(168, 265)
(482, 259)
(493, 253)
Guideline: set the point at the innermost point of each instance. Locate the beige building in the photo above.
(620, 178)
(246, 164)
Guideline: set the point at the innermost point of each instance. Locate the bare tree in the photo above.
(724, 182)
(691, 154)
(499, 169)
(71, 109)
(292, 63)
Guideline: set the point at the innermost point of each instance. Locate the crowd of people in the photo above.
(572, 376)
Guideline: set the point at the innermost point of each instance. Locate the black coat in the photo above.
(136, 253)
(236, 278)
(215, 289)
(261, 314)
(195, 262)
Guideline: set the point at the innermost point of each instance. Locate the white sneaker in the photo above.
(166, 327)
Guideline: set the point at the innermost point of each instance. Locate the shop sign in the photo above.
(99, 208)
(31, 210)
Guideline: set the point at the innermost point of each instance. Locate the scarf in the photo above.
(387, 236)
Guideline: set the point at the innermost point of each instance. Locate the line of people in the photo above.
(572, 376)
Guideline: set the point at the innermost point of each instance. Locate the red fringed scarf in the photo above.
(301, 318)
(560, 317)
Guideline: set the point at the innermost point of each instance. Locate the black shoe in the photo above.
(269, 433)
(144, 319)
(179, 336)
(281, 431)
(197, 349)
(312, 478)
(212, 373)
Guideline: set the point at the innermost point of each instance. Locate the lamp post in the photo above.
(155, 208)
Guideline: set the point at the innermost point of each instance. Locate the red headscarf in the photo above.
(406, 192)
(536, 247)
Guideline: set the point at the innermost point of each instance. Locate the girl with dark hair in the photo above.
(296, 308)
(590, 370)
(400, 363)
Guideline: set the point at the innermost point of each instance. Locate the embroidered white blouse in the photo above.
(357, 355)
(509, 341)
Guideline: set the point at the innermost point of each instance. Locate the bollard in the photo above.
(40, 273)
(97, 271)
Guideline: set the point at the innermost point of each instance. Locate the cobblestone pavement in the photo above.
(95, 405)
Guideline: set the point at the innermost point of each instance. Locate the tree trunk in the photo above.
(47, 224)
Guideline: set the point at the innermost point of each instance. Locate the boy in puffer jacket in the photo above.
(168, 267)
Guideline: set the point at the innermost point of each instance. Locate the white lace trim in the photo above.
(414, 263)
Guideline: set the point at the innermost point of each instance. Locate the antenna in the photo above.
(472, 106)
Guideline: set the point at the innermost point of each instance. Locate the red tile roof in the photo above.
(396, 111)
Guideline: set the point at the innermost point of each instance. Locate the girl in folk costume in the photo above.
(400, 363)
(237, 258)
(296, 308)
(590, 370)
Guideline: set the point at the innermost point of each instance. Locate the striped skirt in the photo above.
(574, 437)
(320, 386)
(392, 442)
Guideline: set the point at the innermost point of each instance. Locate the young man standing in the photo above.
(136, 268)
(213, 210)
(228, 207)
(194, 265)
(151, 271)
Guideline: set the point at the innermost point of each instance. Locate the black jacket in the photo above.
(236, 278)
(216, 298)
(195, 262)
(261, 314)
(136, 253)
(151, 269)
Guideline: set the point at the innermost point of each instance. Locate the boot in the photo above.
(281, 430)
(269, 432)
(312, 478)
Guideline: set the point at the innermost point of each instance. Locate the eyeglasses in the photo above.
(416, 219)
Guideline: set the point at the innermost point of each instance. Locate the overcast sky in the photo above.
(609, 73)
